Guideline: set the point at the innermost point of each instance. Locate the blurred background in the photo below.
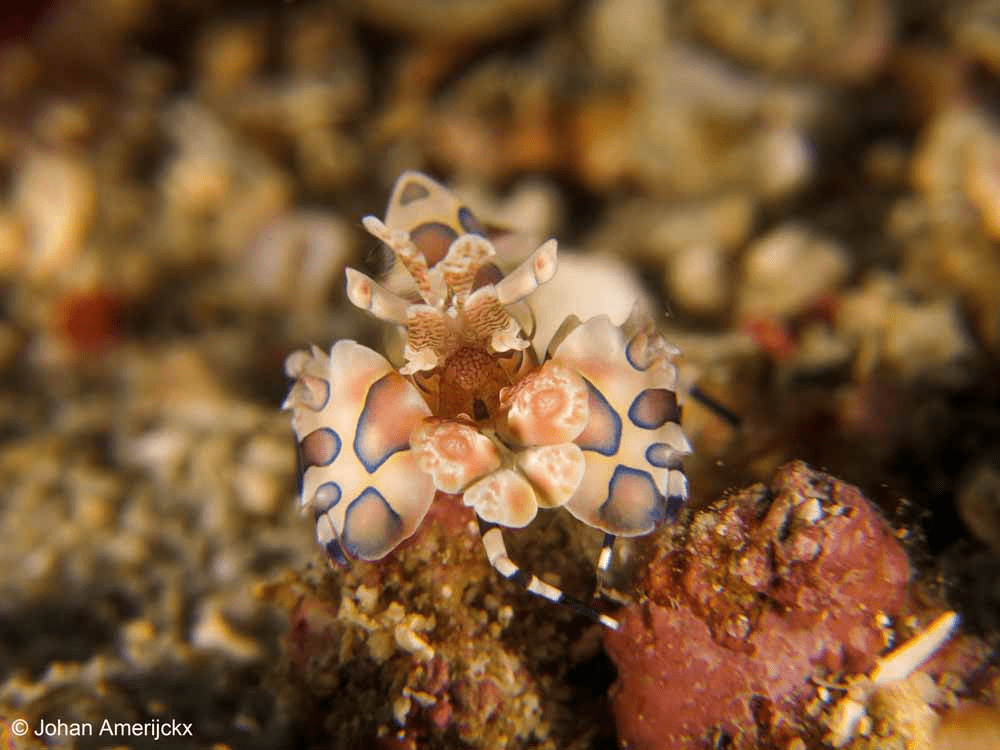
(806, 196)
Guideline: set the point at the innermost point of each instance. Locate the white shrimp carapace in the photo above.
(471, 411)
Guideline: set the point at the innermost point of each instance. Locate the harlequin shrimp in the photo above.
(593, 426)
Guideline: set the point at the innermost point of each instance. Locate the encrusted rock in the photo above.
(443, 664)
(769, 584)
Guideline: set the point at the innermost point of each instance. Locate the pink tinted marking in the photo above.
(326, 496)
(504, 497)
(392, 409)
(633, 501)
(371, 527)
(412, 191)
(662, 456)
(555, 471)
(653, 408)
(547, 407)
(319, 448)
(353, 368)
(433, 240)
(453, 453)
(604, 429)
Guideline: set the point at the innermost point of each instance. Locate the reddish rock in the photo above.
(91, 321)
(770, 583)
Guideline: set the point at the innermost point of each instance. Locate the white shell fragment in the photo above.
(899, 664)
(907, 658)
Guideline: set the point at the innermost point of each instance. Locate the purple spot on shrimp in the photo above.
(326, 535)
(327, 496)
(673, 508)
(662, 456)
(677, 487)
(633, 500)
(335, 552)
(653, 408)
(371, 526)
(412, 191)
(486, 274)
(433, 239)
(319, 448)
(468, 221)
(603, 432)
(388, 417)
(631, 352)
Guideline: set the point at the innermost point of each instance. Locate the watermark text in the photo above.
(153, 729)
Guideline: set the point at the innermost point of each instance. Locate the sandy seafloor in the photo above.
(806, 196)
